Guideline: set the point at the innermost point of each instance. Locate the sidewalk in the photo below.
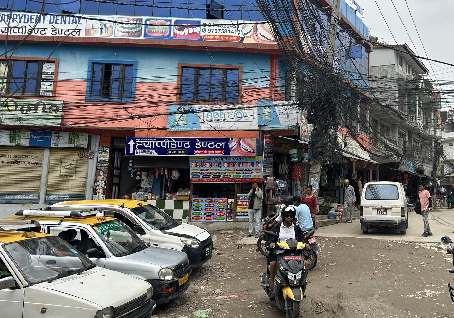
(441, 223)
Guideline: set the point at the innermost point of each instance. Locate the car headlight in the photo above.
(105, 313)
(194, 243)
(149, 292)
(165, 274)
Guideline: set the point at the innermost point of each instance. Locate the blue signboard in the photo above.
(40, 139)
(178, 146)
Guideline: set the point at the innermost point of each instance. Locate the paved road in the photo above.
(441, 223)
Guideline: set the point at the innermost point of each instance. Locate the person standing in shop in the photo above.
(255, 196)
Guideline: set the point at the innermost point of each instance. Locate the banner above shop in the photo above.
(30, 112)
(190, 146)
(43, 139)
(226, 169)
(103, 26)
(265, 114)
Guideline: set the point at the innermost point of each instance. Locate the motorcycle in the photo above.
(450, 250)
(290, 280)
(264, 241)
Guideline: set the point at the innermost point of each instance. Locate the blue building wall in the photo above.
(153, 64)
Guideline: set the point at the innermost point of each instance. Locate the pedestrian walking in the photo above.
(349, 201)
(424, 199)
(255, 209)
(310, 200)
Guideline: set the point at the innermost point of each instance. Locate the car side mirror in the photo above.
(446, 240)
(95, 253)
(7, 283)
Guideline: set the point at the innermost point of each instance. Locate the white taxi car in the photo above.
(42, 276)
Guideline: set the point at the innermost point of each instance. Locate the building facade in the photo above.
(185, 111)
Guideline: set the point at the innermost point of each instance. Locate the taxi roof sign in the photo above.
(60, 214)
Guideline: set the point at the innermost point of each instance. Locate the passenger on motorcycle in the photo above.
(303, 215)
(284, 230)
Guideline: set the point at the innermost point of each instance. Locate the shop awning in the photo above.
(353, 150)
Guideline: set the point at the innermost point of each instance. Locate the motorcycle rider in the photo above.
(284, 230)
(303, 215)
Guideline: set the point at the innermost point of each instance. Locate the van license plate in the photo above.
(382, 211)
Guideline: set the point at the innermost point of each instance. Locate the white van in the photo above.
(384, 204)
(42, 276)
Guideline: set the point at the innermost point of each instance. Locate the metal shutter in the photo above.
(20, 169)
(68, 169)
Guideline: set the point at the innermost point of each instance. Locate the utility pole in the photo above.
(335, 18)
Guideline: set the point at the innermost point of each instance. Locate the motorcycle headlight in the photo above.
(165, 274)
(107, 312)
(149, 292)
(194, 243)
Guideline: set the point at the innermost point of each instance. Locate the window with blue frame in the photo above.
(111, 81)
(210, 84)
(24, 78)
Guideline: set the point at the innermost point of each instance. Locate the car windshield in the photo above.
(382, 192)
(119, 238)
(46, 258)
(154, 217)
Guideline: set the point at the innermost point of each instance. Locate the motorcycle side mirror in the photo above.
(446, 240)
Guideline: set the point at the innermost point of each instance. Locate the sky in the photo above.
(434, 22)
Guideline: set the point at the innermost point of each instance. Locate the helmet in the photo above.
(290, 210)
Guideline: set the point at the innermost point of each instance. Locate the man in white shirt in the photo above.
(284, 230)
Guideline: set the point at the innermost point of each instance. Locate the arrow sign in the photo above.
(131, 144)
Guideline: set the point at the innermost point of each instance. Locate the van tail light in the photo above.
(402, 212)
(360, 211)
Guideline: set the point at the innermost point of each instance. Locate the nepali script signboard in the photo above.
(147, 28)
(28, 112)
(162, 146)
(226, 169)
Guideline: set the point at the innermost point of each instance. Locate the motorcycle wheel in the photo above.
(293, 309)
(312, 259)
(262, 245)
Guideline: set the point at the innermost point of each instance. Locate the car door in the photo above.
(11, 300)
(82, 241)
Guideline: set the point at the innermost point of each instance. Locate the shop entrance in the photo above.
(155, 178)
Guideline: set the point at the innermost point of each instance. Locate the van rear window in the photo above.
(382, 192)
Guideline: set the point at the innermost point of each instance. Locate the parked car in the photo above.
(154, 226)
(383, 204)
(111, 244)
(43, 276)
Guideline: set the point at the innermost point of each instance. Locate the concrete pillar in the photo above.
(44, 173)
(92, 149)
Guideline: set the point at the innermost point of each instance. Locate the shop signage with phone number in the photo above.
(226, 169)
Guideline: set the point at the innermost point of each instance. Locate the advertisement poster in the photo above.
(185, 29)
(268, 155)
(99, 26)
(128, 27)
(190, 146)
(226, 169)
(160, 28)
(242, 202)
(221, 30)
(156, 28)
(209, 209)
